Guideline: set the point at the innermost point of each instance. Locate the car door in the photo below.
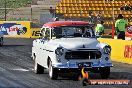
(40, 43)
(43, 49)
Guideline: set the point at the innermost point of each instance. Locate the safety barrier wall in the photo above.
(121, 50)
(35, 32)
(19, 29)
(16, 29)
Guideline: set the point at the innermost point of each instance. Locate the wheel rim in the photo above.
(50, 70)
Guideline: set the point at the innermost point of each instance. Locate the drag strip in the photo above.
(16, 70)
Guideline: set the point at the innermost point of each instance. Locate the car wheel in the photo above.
(1, 41)
(52, 72)
(76, 76)
(38, 69)
(34, 57)
(105, 72)
(84, 82)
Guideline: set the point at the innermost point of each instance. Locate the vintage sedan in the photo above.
(67, 45)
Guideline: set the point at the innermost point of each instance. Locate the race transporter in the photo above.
(67, 45)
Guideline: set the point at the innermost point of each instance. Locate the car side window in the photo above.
(42, 32)
(47, 33)
(57, 32)
(89, 32)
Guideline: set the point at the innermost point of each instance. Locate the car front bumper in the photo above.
(76, 65)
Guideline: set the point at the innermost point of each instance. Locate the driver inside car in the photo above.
(87, 33)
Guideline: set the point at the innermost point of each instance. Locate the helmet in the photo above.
(56, 19)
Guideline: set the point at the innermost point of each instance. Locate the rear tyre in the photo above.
(105, 72)
(38, 69)
(1, 41)
(34, 57)
(52, 71)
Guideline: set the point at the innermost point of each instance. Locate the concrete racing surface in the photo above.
(16, 70)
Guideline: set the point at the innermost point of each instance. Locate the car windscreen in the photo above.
(73, 31)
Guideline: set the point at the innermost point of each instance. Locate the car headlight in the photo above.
(107, 49)
(59, 51)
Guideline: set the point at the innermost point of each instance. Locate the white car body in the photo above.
(70, 53)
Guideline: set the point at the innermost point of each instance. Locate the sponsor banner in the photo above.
(128, 51)
(16, 29)
(121, 50)
(35, 32)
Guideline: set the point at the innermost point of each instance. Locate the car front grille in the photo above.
(83, 55)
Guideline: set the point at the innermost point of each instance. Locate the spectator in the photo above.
(91, 18)
(130, 7)
(99, 16)
(99, 28)
(56, 19)
(122, 8)
(120, 27)
(52, 12)
(126, 7)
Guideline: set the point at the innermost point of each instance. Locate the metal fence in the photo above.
(12, 10)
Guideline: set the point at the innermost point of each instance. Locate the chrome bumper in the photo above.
(75, 65)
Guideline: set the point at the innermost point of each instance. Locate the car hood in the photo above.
(76, 43)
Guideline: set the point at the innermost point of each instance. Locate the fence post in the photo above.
(31, 14)
(113, 31)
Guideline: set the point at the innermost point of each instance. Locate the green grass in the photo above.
(14, 3)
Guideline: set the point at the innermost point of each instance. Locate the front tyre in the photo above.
(52, 72)
(105, 72)
(76, 76)
(38, 69)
